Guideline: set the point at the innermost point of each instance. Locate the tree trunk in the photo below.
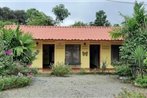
(142, 73)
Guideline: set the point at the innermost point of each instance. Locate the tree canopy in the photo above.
(16, 16)
(101, 19)
(35, 17)
(79, 23)
(60, 12)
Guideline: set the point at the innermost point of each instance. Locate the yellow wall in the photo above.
(105, 52)
(85, 57)
(37, 63)
(59, 52)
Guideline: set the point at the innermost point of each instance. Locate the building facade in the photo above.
(79, 47)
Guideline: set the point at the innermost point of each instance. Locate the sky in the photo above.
(81, 10)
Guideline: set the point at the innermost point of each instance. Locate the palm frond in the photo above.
(139, 55)
(116, 33)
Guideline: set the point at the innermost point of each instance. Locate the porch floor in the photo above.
(78, 70)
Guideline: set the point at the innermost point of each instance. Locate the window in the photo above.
(115, 53)
(72, 54)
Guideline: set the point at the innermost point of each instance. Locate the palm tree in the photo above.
(139, 57)
(131, 24)
(21, 43)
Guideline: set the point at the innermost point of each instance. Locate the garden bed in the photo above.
(10, 82)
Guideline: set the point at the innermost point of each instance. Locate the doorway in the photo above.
(48, 55)
(94, 56)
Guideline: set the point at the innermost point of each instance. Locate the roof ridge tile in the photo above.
(60, 26)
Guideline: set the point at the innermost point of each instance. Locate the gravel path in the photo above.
(75, 86)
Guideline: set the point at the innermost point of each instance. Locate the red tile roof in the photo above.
(66, 32)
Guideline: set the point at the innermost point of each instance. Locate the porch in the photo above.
(77, 54)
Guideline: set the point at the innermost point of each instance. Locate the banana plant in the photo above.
(139, 57)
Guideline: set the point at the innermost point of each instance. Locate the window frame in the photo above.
(75, 64)
(112, 59)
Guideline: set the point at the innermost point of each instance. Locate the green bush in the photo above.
(60, 69)
(116, 63)
(141, 82)
(14, 82)
(128, 94)
(17, 69)
(25, 70)
(123, 70)
(34, 71)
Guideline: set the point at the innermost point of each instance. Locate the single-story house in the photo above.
(79, 47)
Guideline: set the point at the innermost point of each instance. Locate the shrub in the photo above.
(141, 82)
(128, 94)
(60, 69)
(21, 44)
(123, 70)
(14, 82)
(6, 61)
(139, 56)
(116, 63)
(104, 66)
(34, 71)
(25, 70)
(16, 69)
